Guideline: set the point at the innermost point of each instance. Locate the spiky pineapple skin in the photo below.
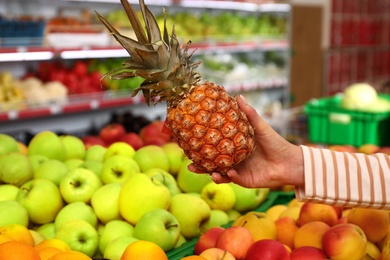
(211, 129)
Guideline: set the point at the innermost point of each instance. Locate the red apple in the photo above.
(267, 249)
(307, 253)
(344, 241)
(208, 239)
(92, 140)
(236, 240)
(112, 133)
(153, 134)
(132, 139)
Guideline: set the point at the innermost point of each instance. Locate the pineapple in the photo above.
(204, 119)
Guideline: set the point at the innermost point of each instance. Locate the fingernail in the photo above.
(243, 99)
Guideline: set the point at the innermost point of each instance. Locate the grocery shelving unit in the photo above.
(79, 111)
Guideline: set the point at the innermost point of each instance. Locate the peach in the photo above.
(295, 203)
(274, 211)
(343, 148)
(258, 224)
(318, 212)
(286, 229)
(374, 222)
(310, 234)
(368, 148)
(307, 253)
(344, 241)
(217, 254)
(372, 251)
(292, 212)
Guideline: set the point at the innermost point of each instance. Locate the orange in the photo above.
(17, 232)
(145, 250)
(70, 255)
(16, 250)
(53, 242)
(46, 252)
(193, 257)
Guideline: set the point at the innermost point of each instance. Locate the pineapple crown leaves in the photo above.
(154, 56)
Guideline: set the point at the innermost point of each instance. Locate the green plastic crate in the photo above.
(273, 198)
(329, 123)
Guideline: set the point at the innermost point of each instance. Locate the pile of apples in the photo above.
(300, 230)
(101, 198)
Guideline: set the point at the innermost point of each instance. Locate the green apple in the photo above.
(73, 163)
(113, 230)
(118, 168)
(217, 218)
(116, 247)
(42, 199)
(151, 156)
(78, 185)
(192, 212)
(180, 241)
(119, 148)
(105, 203)
(52, 170)
(233, 214)
(74, 147)
(48, 144)
(95, 153)
(37, 159)
(79, 235)
(8, 192)
(219, 196)
(15, 168)
(161, 222)
(189, 181)
(47, 230)
(165, 178)
(76, 210)
(141, 194)
(12, 212)
(175, 156)
(94, 166)
(248, 198)
(8, 144)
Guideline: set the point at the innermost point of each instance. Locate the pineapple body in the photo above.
(211, 129)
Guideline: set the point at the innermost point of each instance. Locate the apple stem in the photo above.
(171, 225)
(243, 224)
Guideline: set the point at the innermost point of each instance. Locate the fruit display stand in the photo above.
(273, 198)
(329, 123)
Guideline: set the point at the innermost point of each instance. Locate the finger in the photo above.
(254, 118)
(218, 178)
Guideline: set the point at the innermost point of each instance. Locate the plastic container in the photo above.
(274, 198)
(329, 123)
(21, 33)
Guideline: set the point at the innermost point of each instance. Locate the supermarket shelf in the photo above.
(224, 5)
(12, 54)
(109, 99)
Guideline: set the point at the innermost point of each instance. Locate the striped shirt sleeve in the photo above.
(345, 179)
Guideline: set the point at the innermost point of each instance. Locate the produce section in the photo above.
(89, 172)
